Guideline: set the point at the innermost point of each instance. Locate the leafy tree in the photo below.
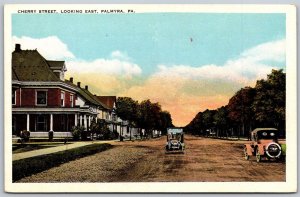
(220, 120)
(261, 106)
(165, 121)
(208, 119)
(240, 111)
(127, 110)
(270, 102)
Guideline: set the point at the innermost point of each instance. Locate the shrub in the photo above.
(26, 167)
(77, 132)
(25, 135)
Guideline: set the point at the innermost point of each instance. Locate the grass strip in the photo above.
(26, 167)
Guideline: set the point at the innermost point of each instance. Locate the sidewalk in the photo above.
(46, 151)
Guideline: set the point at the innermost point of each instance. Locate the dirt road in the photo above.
(204, 160)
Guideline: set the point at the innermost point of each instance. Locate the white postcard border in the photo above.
(291, 108)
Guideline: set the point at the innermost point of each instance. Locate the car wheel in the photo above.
(246, 154)
(258, 156)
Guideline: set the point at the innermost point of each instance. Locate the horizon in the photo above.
(186, 62)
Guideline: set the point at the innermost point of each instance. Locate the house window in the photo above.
(13, 97)
(62, 99)
(71, 99)
(41, 97)
(41, 124)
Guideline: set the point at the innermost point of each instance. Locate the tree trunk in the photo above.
(129, 133)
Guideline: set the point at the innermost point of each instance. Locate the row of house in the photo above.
(43, 100)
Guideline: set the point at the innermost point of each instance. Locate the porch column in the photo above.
(75, 120)
(89, 121)
(51, 122)
(27, 128)
(85, 121)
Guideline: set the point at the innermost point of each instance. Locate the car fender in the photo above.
(260, 148)
(249, 149)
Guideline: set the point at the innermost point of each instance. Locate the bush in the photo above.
(25, 135)
(26, 167)
(77, 132)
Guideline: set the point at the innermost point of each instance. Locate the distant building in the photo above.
(114, 122)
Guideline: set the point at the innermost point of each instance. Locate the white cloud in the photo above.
(270, 51)
(252, 64)
(185, 90)
(104, 66)
(119, 55)
(51, 47)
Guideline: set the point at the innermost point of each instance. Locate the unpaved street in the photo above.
(204, 160)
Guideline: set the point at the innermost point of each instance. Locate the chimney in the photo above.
(87, 87)
(71, 79)
(17, 48)
(78, 84)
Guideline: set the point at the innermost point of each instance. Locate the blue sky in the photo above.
(188, 62)
(151, 39)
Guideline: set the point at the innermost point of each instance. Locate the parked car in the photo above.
(264, 145)
(175, 140)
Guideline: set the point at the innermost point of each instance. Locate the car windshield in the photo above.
(175, 136)
(267, 134)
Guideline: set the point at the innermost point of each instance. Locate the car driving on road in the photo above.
(175, 140)
(264, 145)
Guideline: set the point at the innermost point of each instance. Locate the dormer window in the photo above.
(62, 99)
(41, 97)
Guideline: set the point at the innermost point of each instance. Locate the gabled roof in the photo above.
(90, 97)
(87, 95)
(263, 129)
(30, 65)
(13, 75)
(109, 101)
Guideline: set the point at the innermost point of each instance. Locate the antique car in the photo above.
(264, 145)
(175, 140)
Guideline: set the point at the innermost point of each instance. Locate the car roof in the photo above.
(263, 129)
(175, 130)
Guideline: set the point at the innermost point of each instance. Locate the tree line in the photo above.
(144, 115)
(250, 108)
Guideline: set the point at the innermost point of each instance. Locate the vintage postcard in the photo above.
(150, 98)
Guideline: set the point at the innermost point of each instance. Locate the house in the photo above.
(43, 101)
(115, 123)
(109, 116)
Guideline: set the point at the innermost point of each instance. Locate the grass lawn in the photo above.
(29, 166)
(20, 148)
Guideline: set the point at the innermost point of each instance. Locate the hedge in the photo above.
(26, 167)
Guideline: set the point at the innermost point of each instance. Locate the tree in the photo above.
(207, 120)
(94, 128)
(150, 116)
(127, 110)
(270, 103)
(220, 120)
(165, 121)
(240, 110)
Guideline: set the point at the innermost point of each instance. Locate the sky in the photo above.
(188, 62)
